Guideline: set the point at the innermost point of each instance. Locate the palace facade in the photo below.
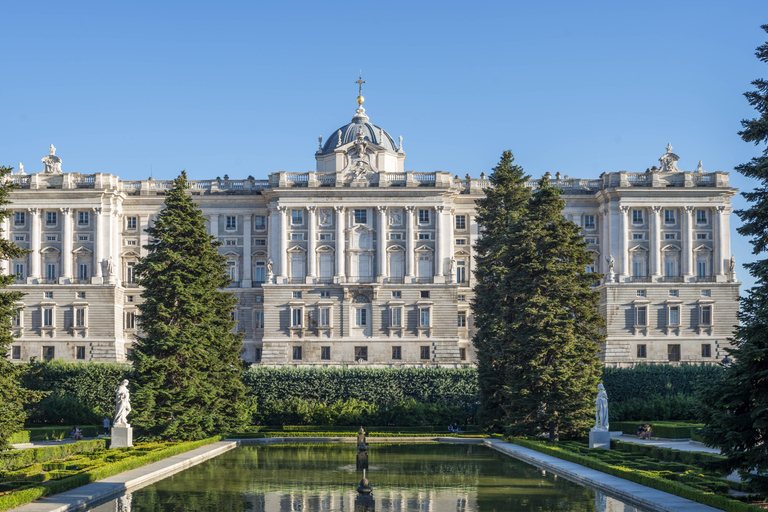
(363, 262)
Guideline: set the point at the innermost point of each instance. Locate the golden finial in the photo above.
(360, 83)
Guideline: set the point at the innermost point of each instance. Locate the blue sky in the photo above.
(245, 88)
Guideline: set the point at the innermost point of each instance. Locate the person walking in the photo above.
(106, 425)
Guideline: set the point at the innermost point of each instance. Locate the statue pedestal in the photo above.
(600, 439)
(122, 436)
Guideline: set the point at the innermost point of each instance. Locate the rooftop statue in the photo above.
(52, 162)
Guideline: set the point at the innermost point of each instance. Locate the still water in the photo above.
(323, 478)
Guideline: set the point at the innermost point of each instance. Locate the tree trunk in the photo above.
(554, 433)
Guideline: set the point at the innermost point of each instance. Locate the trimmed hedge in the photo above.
(658, 428)
(641, 477)
(645, 380)
(19, 437)
(668, 454)
(659, 407)
(15, 459)
(22, 496)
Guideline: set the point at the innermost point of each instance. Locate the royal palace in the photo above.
(362, 262)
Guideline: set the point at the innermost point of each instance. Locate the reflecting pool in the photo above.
(404, 477)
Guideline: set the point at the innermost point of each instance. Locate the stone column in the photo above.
(655, 236)
(98, 247)
(283, 210)
(66, 246)
(718, 269)
(143, 224)
(624, 235)
(687, 243)
(473, 234)
(448, 241)
(725, 239)
(340, 243)
(247, 231)
(409, 253)
(5, 265)
(115, 228)
(311, 244)
(34, 245)
(382, 243)
(439, 253)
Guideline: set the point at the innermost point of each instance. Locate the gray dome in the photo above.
(349, 133)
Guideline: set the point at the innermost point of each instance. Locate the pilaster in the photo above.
(623, 240)
(247, 232)
(66, 246)
(381, 248)
(409, 253)
(98, 247)
(34, 256)
(283, 248)
(655, 237)
(687, 243)
(340, 244)
(311, 244)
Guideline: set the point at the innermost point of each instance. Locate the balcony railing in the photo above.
(361, 279)
(705, 279)
(396, 279)
(639, 279)
(671, 279)
(423, 280)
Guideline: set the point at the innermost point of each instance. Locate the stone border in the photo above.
(112, 487)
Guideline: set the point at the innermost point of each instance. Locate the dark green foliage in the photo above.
(657, 407)
(187, 364)
(81, 393)
(540, 332)
(451, 387)
(666, 430)
(12, 395)
(643, 380)
(736, 407)
(501, 207)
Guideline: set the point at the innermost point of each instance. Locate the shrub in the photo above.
(644, 380)
(659, 407)
(659, 429)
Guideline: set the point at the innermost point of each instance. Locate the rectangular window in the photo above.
(297, 353)
(361, 353)
(230, 242)
(423, 216)
(130, 272)
(325, 353)
(49, 353)
(297, 236)
(637, 236)
(48, 295)
(261, 241)
(461, 222)
(641, 353)
(261, 272)
(131, 242)
(325, 295)
(670, 236)
(674, 316)
(673, 352)
(397, 295)
(424, 236)
(325, 317)
(19, 270)
(397, 353)
(589, 222)
(130, 320)
(462, 298)
(50, 218)
(701, 216)
(701, 236)
(641, 316)
(50, 238)
(297, 217)
(130, 223)
(640, 293)
(50, 271)
(706, 315)
(424, 320)
(706, 293)
(461, 272)
(361, 317)
(231, 222)
(17, 318)
(706, 350)
(258, 319)
(80, 317)
(296, 317)
(18, 218)
(258, 354)
(260, 222)
(463, 354)
(82, 271)
(461, 241)
(19, 238)
(80, 353)
(296, 295)
(462, 319)
(396, 317)
(128, 298)
(48, 317)
(82, 218)
(701, 268)
(674, 293)
(326, 236)
(16, 352)
(83, 238)
(637, 216)
(361, 216)
(669, 216)
(395, 236)
(424, 294)
(424, 351)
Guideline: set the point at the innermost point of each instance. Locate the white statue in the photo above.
(611, 263)
(21, 168)
(601, 409)
(52, 150)
(52, 162)
(453, 267)
(123, 404)
(110, 266)
(325, 217)
(269, 266)
(732, 264)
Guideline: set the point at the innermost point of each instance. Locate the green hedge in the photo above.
(15, 459)
(659, 407)
(644, 380)
(20, 497)
(641, 477)
(668, 454)
(19, 437)
(658, 428)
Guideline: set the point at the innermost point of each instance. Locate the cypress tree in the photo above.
(187, 362)
(504, 202)
(735, 409)
(12, 395)
(552, 367)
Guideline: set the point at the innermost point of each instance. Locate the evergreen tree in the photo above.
(553, 323)
(12, 395)
(736, 408)
(187, 362)
(504, 202)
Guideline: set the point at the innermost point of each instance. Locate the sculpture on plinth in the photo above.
(52, 162)
(599, 435)
(122, 433)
